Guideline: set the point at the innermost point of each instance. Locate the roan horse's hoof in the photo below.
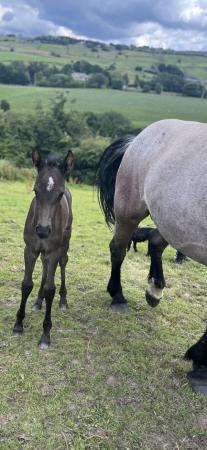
(198, 380)
(152, 301)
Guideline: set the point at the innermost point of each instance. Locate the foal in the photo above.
(47, 233)
(142, 234)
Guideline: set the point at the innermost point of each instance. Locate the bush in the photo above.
(87, 156)
(8, 171)
(4, 105)
(193, 89)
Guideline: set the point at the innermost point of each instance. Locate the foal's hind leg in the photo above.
(63, 291)
(38, 302)
(27, 285)
(118, 245)
(157, 245)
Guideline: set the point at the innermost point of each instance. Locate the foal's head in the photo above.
(49, 188)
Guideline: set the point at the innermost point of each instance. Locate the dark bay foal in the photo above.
(142, 234)
(47, 233)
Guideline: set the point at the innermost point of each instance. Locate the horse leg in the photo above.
(63, 291)
(38, 302)
(27, 285)
(180, 258)
(118, 245)
(135, 246)
(129, 245)
(198, 355)
(49, 293)
(157, 245)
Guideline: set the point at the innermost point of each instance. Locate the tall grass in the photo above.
(9, 172)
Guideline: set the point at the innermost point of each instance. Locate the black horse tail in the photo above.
(107, 171)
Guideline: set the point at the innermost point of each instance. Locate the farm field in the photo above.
(125, 61)
(109, 381)
(140, 108)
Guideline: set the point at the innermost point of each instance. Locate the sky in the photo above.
(174, 24)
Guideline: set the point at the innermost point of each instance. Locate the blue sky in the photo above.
(177, 24)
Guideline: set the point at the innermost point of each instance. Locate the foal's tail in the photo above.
(107, 171)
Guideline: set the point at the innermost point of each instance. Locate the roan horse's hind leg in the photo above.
(118, 245)
(27, 285)
(38, 302)
(157, 245)
(63, 291)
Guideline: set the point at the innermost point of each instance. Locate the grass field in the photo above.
(109, 381)
(125, 61)
(140, 108)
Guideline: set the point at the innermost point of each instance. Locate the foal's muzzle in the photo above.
(43, 232)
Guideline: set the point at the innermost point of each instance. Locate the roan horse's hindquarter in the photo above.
(47, 233)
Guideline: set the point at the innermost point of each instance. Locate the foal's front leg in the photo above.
(63, 291)
(38, 302)
(27, 285)
(49, 293)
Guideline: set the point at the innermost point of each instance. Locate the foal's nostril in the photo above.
(43, 232)
(37, 229)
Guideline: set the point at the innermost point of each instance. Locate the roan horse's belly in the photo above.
(181, 217)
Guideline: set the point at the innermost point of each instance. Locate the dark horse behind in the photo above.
(161, 172)
(47, 233)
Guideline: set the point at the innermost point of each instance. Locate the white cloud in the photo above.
(154, 35)
(25, 20)
(176, 24)
(4, 10)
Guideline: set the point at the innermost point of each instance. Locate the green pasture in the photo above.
(142, 109)
(109, 381)
(125, 61)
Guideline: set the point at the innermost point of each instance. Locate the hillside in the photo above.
(124, 59)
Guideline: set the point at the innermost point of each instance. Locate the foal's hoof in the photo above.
(44, 341)
(44, 345)
(17, 331)
(63, 307)
(36, 306)
(198, 380)
(151, 300)
(120, 307)
(119, 303)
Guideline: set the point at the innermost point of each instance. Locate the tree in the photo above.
(158, 88)
(116, 81)
(126, 79)
(136, 80)
(97, 80)
(4, 105)
(194, 89)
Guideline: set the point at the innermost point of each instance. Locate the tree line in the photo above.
(56, 131)
(167, 78)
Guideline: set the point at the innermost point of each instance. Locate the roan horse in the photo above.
(47, 232)
(161, 172)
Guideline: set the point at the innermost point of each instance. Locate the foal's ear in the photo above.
(68, 162)
(36, 158)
